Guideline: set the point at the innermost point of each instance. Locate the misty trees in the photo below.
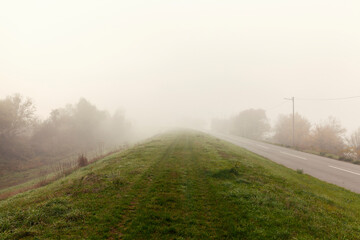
(79, 127)
(116, 128)
(17, 116)
(328, 136)
(68, 130)
(86, 122)
(325, 137)
(251, 123)
(353, 143)
(283, 131)
(354, 140)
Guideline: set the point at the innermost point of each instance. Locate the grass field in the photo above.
(35, 169)
(183, 185)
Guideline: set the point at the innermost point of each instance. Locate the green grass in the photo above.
(183, 185)
(13, 178)
(34, 170)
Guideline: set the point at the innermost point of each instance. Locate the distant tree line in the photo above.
(325, 138)
(251, 123)
(69, 130)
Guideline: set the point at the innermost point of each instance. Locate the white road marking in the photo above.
(294, 155)
(345, 170)
(262, 146)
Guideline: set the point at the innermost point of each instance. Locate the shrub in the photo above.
(82, 161)
(345, 159)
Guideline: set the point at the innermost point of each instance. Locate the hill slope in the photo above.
(183, 185)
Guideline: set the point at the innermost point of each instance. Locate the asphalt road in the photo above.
(343, 174)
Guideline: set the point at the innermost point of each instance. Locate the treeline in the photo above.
(251, 123)
(325, 138)
(72, 129)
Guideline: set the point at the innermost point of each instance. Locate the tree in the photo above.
(283, 131)
(87, 121)
(353, 143)
(16, 116)
(26, 141)
(72, 128)
(80, 128)
(251, 123)
(328, 136)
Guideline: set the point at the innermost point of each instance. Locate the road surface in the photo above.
(343, 174)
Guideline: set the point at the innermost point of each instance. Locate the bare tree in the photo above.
(353, 143)
(251, 123)
(283, 131)
(16, 116)
(328, 136)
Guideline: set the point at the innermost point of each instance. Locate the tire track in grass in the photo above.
(199, 205)
(139, 191)
(160, 211)
(181, 202)
(205, 204)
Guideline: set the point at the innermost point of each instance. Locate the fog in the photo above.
(182, 63)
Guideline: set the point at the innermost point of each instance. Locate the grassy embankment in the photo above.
(183, 185)
(31, 176)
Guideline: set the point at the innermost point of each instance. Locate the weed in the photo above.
(82, 160)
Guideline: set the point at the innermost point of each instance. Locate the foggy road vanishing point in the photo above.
(337, 172)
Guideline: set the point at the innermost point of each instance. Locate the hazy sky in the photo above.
(161, 61)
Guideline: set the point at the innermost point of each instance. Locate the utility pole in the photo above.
(293, 122)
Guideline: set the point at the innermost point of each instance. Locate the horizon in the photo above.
(161, 62)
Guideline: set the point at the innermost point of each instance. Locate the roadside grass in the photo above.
(183, 185)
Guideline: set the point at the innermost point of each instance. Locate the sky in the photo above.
(168, 63)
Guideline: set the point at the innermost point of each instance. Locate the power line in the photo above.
(327, 99)
(310, 99)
